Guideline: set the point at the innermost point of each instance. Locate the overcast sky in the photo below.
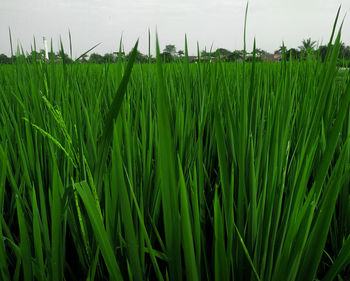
(210, 23)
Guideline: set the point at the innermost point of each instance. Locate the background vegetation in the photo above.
(170, 54)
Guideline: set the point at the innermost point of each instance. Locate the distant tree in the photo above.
(180, 53)
(63, 56)
(223, 51)
(108, 58)
(292, 53)
(307, 45)
(347, 53)
(205, 54)
(260, 52)
(322, 51)
(170, 49)
(119, 55)
(344, 51)
(52, 56)
(34, 55)
(281, 49)
(4, 59)
(96, 58)
(235, 55)
(141, 58)
(166, 57)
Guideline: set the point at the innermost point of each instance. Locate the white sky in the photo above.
(210, 23)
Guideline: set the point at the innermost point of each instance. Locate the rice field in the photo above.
(207, 171)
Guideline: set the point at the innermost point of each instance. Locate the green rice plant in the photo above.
(175, 171)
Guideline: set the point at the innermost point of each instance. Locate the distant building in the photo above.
(272, 57)
(277, 57)
(269, 57)
(116, 54)
(192, 58)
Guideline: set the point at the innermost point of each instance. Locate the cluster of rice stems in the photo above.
(207, 171)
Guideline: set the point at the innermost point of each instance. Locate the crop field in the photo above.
(178, 171)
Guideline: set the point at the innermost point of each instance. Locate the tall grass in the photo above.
(208, 171)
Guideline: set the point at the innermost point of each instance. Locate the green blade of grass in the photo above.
(187, 235)
(167, 177)
(126, 213)
(220, 256)
(57, 256)
(25, 244)
(341, 261)
(112, 115)
(85, 53)
(99, 230)
(5, 274)
(150, 250)
(318, 235)
(38, 245)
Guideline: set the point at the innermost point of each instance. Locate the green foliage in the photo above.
(222, 51)
(4, 59)
(170, 49)
(307, 45)
(207, 171)
(140, 58)
(96, 58)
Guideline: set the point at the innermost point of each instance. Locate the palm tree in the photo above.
(280, 49)
(308, 45)
(260, 52)
(180, 53)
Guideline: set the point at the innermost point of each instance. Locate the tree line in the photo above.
(169, 54)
